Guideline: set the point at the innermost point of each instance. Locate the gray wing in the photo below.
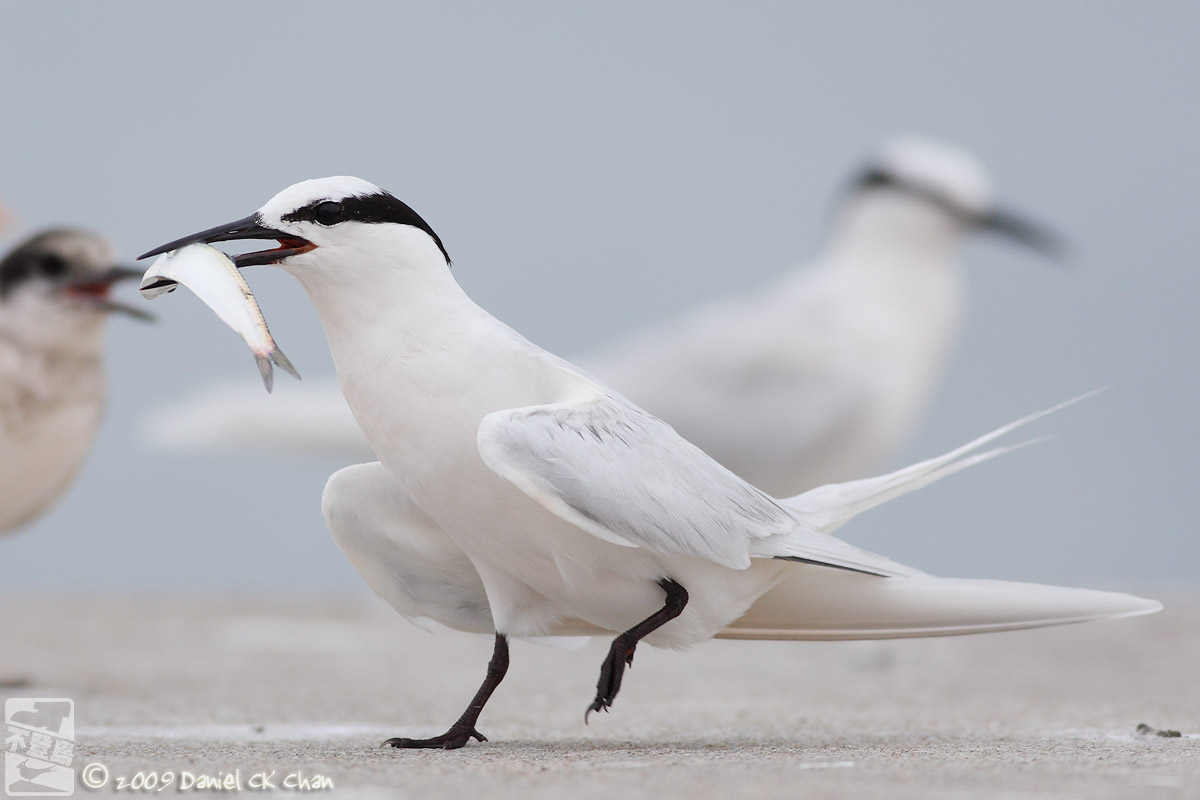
(625, 476)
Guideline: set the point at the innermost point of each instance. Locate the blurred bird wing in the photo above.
(303, 419)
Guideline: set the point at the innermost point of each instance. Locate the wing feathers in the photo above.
(622, 475)
(626, 477)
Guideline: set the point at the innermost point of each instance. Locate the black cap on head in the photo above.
(371, 208)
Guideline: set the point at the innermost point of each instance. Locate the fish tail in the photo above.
(267, 372)
(279, 358)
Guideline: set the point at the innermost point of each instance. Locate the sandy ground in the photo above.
(314, 685)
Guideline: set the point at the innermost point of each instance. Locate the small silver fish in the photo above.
(212, 277)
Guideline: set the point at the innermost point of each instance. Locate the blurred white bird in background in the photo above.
(53, 307)
(574, 510)
(833, 364)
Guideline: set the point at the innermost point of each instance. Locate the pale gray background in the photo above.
(592, 167)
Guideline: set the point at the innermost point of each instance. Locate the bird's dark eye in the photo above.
(52, 266)
(329, 213)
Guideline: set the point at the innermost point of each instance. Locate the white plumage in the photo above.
(577, 511)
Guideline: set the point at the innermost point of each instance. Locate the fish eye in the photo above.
(329, 213)
(52, 266)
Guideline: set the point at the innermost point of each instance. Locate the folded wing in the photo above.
(627, 477)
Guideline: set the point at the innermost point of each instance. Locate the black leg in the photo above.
(620, 655)
(463, 730)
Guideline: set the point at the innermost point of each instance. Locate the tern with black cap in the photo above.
(574, 510)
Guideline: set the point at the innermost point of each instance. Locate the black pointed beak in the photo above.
(250, 227)
(1025, 231)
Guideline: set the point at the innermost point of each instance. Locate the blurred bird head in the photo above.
(56, 283)
(923, 194)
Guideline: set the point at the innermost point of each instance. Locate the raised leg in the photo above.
(620, 655)
(463, 730)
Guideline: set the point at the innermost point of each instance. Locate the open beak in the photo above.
(250, 227)
(94, 291)
(1020, 229)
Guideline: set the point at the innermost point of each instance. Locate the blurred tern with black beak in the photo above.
(54, 304)
(834, 364)
(831, 366)
(575, 511)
